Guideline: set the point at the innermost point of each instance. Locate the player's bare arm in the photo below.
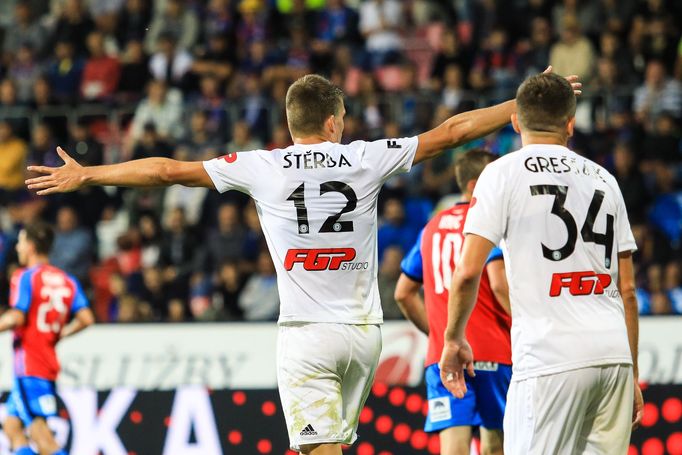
(83, 319)
(498, 283)
(468, 126)
(457, 355)
(147, 172)
(410, 302)
(626, 287)
(12, 318)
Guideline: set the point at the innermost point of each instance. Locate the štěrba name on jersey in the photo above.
(314, 160)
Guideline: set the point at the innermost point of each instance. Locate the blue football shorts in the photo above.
(483, 404)
(32, 397)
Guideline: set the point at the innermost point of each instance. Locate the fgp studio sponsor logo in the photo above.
(580, 283)
(323, 259)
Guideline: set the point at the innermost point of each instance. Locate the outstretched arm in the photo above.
(471, 125)
(148, 172)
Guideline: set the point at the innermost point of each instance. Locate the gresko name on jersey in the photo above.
(314, 160)
(562, 165)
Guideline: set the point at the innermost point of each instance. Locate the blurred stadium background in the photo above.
(193, 79)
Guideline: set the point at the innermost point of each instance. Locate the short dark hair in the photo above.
(310, 101)
(41, 235)
(545, 103)
(469, 165)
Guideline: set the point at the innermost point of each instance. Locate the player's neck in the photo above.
(36, 260)
(465, 198)
(544, 138)
(308, 140)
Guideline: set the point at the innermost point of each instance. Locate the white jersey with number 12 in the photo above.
(318, 209)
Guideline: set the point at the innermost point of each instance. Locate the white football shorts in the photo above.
(582, 411)
(324, 373)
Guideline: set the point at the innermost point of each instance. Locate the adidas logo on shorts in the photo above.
(309, 431)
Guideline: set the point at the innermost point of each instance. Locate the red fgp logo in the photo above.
(579, 283)
(319, 259)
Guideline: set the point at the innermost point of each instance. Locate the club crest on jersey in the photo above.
(230, 157)
(314, 160)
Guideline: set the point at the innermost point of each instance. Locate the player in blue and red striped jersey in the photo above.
(43, 299)
(432, 261)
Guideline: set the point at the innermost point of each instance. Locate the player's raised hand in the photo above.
(63, 179)
(457, 356)
(638, 407)
(573, 79)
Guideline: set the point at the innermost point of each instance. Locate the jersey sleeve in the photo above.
(486, 216)
(411, 264)
(237, 171)
(624, 236)
(20, 295)
(495, 255)
(390, 156)
(79, 300)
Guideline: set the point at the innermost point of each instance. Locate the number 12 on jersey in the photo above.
(587, 231)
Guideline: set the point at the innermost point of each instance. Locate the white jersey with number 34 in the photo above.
(318, 209)
(563, 222)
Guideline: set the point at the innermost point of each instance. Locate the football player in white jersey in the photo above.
(568, 252)
(317, 202)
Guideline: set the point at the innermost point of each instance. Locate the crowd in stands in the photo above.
(112, 80)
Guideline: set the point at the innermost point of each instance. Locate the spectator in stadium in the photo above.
(199, 142)
(226, 242)
(212, 101)
(495, 67)
(255, 106)
(179, 253)
(64, 72)
(220, 19)
(25, 70)
(380, 24)
(132, 22)
(253, 24)
(216, 59)
(673, 285)
(574, 53)
(535, 51)
(280, 138)
(101, 72)
(150, 237)
(631, 181)
(163, 108)
(656, 95)
(176, 21)
(72, 250)
(134, 72)
(241, 138)
(74, 23)
(451, 53)
(453, 89)
(177, 310)
(611, 48)
(170, 63)
(336, 24)
(14, 152)
(229, 284)
(85, 148)
(153, 291)
(586, 12)
(259, 300)
(395, 230)
(43, 146)
(24, 30)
